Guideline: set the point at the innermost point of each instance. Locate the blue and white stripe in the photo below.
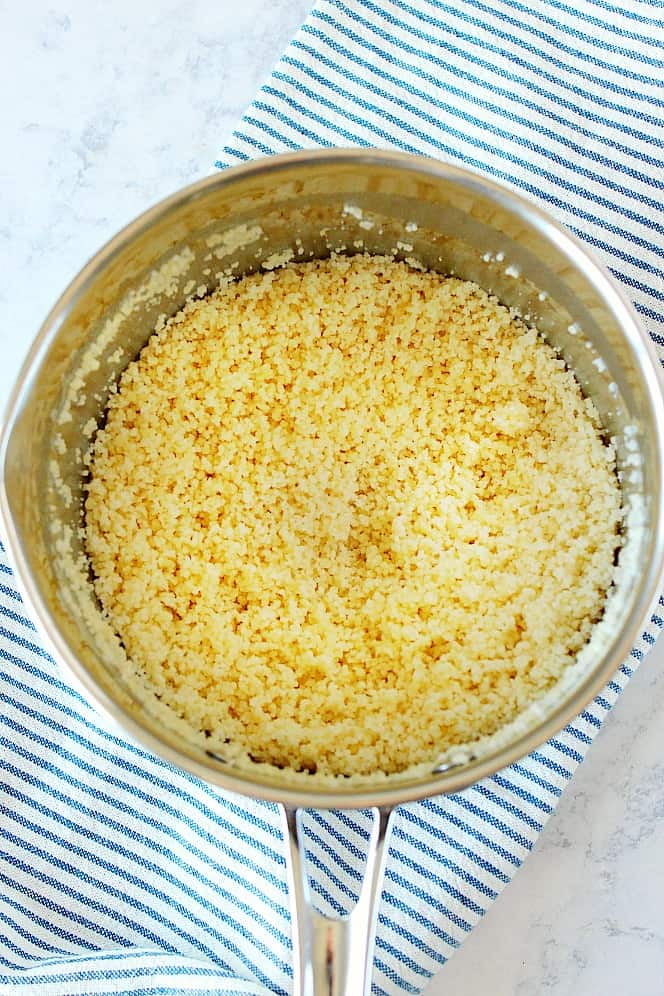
(121, 874)
(564, 103)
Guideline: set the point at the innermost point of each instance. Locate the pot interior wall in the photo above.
(228, 227)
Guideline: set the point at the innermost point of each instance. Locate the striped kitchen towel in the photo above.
(119, 874)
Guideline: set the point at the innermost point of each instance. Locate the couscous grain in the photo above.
(348, 514)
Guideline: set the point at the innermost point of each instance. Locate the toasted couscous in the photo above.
(348, 514)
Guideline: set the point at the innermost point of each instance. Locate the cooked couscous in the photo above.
(348, 514)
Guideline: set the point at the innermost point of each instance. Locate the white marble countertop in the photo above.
(110, 106)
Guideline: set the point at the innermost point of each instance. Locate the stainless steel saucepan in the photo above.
(255, 215)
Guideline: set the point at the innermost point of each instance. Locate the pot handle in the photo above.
(333, 956)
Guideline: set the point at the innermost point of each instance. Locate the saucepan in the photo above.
(253, 216)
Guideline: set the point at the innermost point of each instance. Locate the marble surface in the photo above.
(112, 107)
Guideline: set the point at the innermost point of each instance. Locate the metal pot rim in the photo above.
(392, 792)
